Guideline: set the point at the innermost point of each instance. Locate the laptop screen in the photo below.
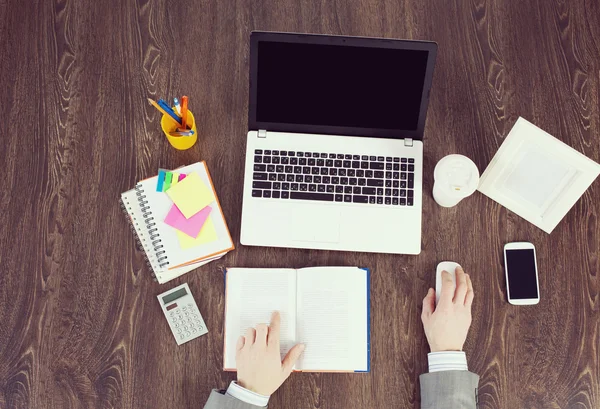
(340, 86)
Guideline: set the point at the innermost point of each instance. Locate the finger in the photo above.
(261, 334)
(240, 343)
(291, 358)
(470, 293)
(447, 288)
(428, 303)
(250, 336)
(274, 329)
(461, 286)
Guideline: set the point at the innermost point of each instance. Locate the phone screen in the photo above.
(522, 280)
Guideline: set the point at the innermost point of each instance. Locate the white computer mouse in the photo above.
(449, 266)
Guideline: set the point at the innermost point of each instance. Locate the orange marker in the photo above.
(184, 109)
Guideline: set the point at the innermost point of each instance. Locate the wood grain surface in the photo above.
(80, 326)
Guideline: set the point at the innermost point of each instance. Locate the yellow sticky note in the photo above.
(208, 234)
(175, 179)
(191, 195)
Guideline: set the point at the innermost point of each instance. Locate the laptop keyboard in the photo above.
(333, 177)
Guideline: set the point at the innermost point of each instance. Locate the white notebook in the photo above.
(326, 308)
(537, 176)
(147, 209)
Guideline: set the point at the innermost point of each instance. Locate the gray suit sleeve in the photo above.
(449, 390)
(217, 400)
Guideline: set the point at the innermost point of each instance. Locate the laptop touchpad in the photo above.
(316, 223)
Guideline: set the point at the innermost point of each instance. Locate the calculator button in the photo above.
(188, 334)
(179, 330)
(194, 330)
(184, 308)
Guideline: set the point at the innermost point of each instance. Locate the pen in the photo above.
(169, 111)
(184, 111)
(182, 133)
(157, 106)
(177, 106)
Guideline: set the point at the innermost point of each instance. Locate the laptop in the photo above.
(334, 154)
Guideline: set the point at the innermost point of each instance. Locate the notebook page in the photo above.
(251, 296)
(332, 319)
(130, 202)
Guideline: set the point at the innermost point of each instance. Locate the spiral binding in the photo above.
(151, 228)
(138, 244)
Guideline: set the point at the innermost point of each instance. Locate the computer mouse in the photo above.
(449, 266)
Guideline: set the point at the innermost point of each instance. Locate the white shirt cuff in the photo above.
(447, 361)
(247, 396)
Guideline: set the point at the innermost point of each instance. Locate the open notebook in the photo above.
(326, 308)
(147, 210)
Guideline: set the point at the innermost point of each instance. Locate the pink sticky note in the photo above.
(181, 177)
(191, 226)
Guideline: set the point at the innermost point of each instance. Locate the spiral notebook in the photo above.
(146, 209)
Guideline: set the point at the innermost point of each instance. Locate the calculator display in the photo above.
(175, 295)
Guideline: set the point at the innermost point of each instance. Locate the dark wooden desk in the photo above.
(80, 326)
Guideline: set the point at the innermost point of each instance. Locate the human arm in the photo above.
(224, 400)
(260, 369)
(448, 383)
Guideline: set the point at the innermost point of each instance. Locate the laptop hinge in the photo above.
(262, 133)
(408, 142)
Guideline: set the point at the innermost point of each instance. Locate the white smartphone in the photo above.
(520, 266)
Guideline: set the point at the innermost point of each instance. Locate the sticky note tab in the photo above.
(191, 195)
(161, 180)
(181, 177)
(174, 179)
(191, 226)
(167, 184)
(208, 234)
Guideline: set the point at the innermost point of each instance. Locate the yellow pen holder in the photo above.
(168, 125)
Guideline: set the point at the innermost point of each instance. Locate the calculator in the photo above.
(182, 314)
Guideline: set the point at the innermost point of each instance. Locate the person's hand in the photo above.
(259, 365)
(446, 326)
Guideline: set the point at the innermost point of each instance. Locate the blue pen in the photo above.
(177, 106)
(168, 110)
